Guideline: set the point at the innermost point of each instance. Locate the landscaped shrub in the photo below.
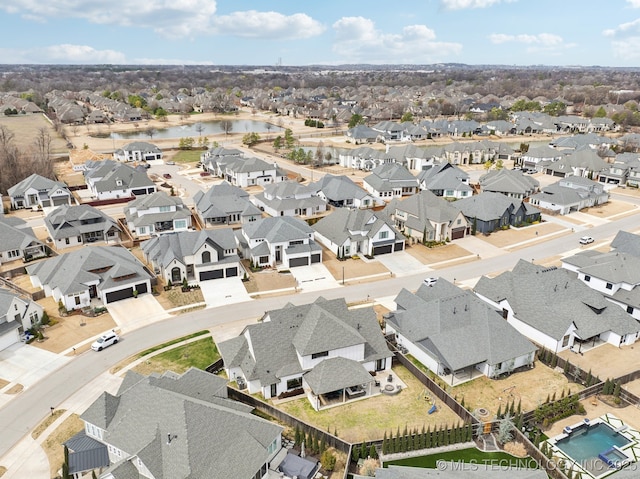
(328, 460)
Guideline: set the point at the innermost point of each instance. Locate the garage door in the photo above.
(388, 248)
(399, 246)
(139, 192)
(230, 272)
(60, 200)
(6, 340)
(118, 295)
(304, 261)
(207, 275)
(457, 233)
(315, 258)
(141, 288)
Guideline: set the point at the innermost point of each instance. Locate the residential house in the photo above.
(341, 191)
(225, 204)
(179, 426)
(282, 241)
(17, 314)
(556, 310)
(75, 225)
(426, 217)
(36, 191)
(362, 134)
(512, 183)
(245, 172)
(626, 242)
(364, 158)
(572, 193)
(108, 273)
(157, 213)
(194, 255)
(615, 274)
(456, 335)
(348, 232)
(416, 158)
(489, 211)
(388, 131)
(109, 179)
(290, 198)
(210, 158)
(391, 180)
(536, 158)
(322, 349)
(623, 171)
(19, 242)
(138, 151)
(584, 163)
(446, 180)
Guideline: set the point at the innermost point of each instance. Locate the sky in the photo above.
(313, 32)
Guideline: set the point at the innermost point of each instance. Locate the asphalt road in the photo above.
(21, 415)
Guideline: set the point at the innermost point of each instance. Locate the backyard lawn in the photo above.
(369, 418)
(198, 354)
(471, 455)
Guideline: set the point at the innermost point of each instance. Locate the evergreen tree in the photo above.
(385, 445)
(323, 444)
(519, 405)
(363, 450)
(355, 453)
(427, 438)
(565, 369)
(554, 361)
(373, 453)
(297, 439)
(499, 413)
(616, 390)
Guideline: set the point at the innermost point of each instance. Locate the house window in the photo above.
(66, 241)
(206, 257)
(630, 309)
(587, 278)
(142, 230)
(180, 224)
(79, 239)
(263, 259)
(322, 354)
(383, 234)
(77, 300)
(565, 341)
(13, 254)
(609, 286)
(294, 383)
(498, 366)
(165, 209)
(458, 222)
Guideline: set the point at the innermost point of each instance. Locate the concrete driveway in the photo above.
(133, 313)
(26, 365)
(219, 292)
(315, 277)
(402, 263)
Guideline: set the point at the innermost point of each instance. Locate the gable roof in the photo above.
(456, 327)
(73, 272)
(508, 181)
(336, 373)
(189, 412)
(489, 206)
(345, 223)
(16, 235)
(67, 221)
(567, 300)
(338, 188)
(278, 230)
(222, 200)
(36, 182)
(626, 242)
(106, 174)
(444, 176)
(424, 208)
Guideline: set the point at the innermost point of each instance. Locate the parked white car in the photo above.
(586, 240)
(105, 341)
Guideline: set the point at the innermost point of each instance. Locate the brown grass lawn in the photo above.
(267, 280)
(175, 298)
(436, 254)
(25, 128)
(2, 470)
(353, 268)
(198, 354)
(46, 422)
(612, 208)
(3, 383)
(506, 238)
(53, 444)
(531, 387)
(368, 419)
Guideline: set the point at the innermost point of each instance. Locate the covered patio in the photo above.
(336, 381)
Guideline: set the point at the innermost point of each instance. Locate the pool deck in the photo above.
(595, 467)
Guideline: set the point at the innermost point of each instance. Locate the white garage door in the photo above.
(8, 339)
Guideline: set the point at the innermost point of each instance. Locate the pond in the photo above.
(208, 128)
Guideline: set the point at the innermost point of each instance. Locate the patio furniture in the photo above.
(390, 378)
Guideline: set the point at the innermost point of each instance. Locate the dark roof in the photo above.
(85, 453)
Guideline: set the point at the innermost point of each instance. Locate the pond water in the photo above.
(208, 128)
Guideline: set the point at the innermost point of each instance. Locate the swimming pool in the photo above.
(586, 442)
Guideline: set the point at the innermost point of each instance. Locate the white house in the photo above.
(39, 192)
(157, 213)
(289, 198)
(109, 179)
(138, 151)
(17, 314)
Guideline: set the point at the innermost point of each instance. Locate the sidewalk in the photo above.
(28, 460)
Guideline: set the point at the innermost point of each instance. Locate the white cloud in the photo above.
(66, 53)
(544, 39)
(466, 4)
(628, 50)
(171, 18)
(629, 29)
(634, 3)
(256, 24)
(168, 61)
(357, 40)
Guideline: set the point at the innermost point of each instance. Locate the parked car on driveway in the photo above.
(586, 240)
(105, 341)
(167, 176)
(170, 163)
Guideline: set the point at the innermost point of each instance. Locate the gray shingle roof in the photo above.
(345, 223)
(36, 182)
(456, 327)
(567, 300)
(16, 237)
(626, 242)
(67, 221)
(278, 230)
(223, 200)
(336, 373)
(509, 181)
(107, 173)
(191, 412)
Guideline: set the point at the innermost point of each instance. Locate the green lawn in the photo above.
(471, 456)
(187, 156)
(173, 341)
(198, 354)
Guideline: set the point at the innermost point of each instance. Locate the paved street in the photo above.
(69, 382)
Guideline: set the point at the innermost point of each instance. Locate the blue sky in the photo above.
(304, 32)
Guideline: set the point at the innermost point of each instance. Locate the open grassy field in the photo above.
(25, 128)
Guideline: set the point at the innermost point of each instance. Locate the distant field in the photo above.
(25, 128)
